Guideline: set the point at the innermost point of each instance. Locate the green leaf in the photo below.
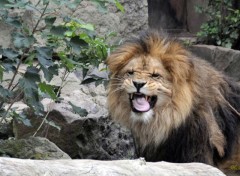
(45, 2)
(53, 124)
(3, 12)
(119, 6)
(32, 74)
(44, 56)
(31, 96)
(77, 44)
(3, 3)
(89, 27)
(100, 5)
(88, 80)
(48, 89)
(30, 59)
(5, 94)
(49, 20)
(9, 66)
(10, 53)
(84, 72)
(58, 31)
(14, 21)
(79, 110)
(17, 4)
(21, 41)
(49, 72)
(66, 62)
(21, 117)
(28, 84)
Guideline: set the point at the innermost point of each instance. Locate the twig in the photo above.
(9, 107)
(40, 126)
(64, 77)
(40, 19)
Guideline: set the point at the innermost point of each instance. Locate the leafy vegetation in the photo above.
(72, 42)
(222, 27)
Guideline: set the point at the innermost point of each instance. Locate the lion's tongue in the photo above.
(141, 104)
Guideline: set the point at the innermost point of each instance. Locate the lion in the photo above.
(178, 107)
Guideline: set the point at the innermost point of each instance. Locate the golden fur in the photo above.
(182, 83)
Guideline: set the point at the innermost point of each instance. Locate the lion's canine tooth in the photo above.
(131, 96)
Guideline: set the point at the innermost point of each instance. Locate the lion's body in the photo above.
(179, 108)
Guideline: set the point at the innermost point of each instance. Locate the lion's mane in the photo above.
(200, 122)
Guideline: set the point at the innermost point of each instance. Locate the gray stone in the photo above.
(224, 59)
(85, 138)
(17, 167)
(6, 131)
(31, 148)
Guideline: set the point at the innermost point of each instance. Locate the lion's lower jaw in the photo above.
(144, 117)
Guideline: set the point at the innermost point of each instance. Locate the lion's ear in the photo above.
(179, 66)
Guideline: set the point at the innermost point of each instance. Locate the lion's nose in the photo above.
(138, 85)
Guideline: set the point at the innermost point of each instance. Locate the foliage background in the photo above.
(69, 44)
(223, 25)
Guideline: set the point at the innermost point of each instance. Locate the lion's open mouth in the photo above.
(142, 103)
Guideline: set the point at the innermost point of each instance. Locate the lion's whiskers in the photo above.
(117, 89)
(117, 78)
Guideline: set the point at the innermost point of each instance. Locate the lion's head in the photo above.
(149, 85)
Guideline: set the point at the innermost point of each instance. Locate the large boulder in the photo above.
(85, 138)
(223, 59)
(31, 148)
(19, 167)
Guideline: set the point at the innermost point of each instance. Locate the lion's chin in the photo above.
(144, 117)
(141, 103)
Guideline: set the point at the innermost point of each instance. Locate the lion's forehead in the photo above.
(144, 64)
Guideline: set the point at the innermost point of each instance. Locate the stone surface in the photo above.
(6, 131)
(132, 21)
(31, 148)
(92, 137)
(138, 167)
(223, 59)
(85, 138)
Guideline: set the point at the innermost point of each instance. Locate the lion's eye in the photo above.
(156, 75)
(130, 72)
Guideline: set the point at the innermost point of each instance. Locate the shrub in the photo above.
(223, 24)
(72, 42)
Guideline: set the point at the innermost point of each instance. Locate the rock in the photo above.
(6, 131)
(132, 21)
(92, 137)
(223, 59)
(31, 148)
(18, 167)
(85, 138)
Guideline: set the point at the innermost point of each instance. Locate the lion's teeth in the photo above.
(148, 98)
(131, 96)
